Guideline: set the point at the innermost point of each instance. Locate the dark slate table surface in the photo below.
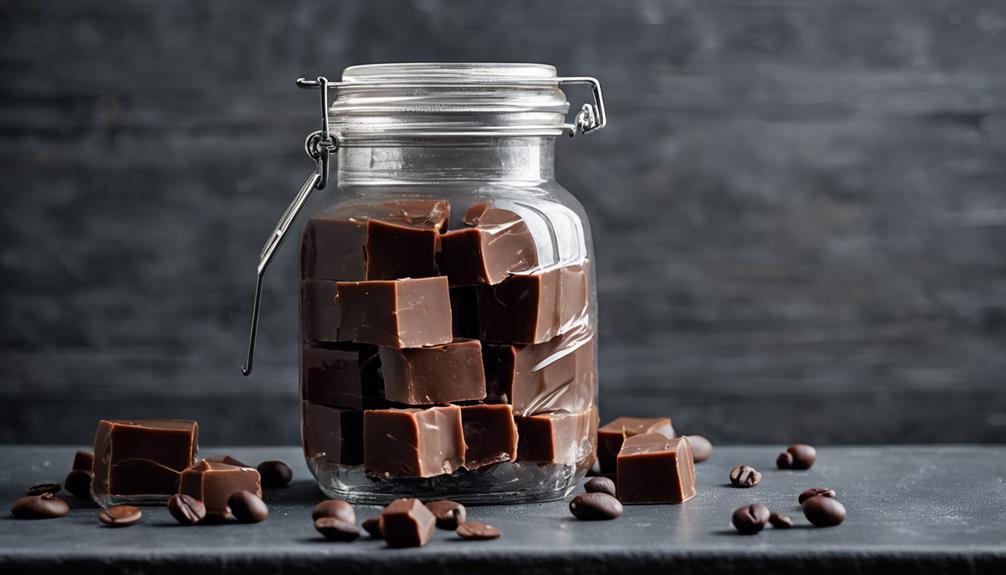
(910, 509)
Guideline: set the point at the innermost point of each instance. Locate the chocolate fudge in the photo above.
(564, 438)
(332, 434)
(388, 240)
(407, 523)
(530, 308)
(611, 435)
(413, 442)
(490, 434)
(142, 458)
(396, 313)
(497, 244)
(320, 319)
(212, 482)
(343, 375)
(653, 468)
(557, 375)
(437, 374)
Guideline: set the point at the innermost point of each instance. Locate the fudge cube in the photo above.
(611, 435)
(413, 442)
(530, 308)
(498, 244)
(437, 374)
(565, 438)
(212, 482)
(320, 319)
(407, 523)
(396, 313)
(490, 434)
(653, 468)
(344, 375)
(142, 458)
(332, 434)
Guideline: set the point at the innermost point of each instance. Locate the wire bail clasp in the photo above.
(319, 146)
(591, 116)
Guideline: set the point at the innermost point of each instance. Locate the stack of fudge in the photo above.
(428, 348)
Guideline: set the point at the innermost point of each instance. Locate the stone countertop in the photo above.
(912, 509)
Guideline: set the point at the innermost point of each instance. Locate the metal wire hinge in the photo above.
(591, 116)
(319, 146)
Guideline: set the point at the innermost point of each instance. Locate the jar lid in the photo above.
(392, 101)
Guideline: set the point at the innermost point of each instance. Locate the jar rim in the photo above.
(449, 72)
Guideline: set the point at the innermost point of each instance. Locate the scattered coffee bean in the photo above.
(335, 529)
(373, 527)
(186, 509)
(701, 448)
(824, 511)
(780, 521)
(120, 516)
(750, 519)
(334, 508)
(803, 456)
(475, 531)
(600, 485)
(247, 507)
(744, 476)
(814, 492)
(449, 514)
(78, 482)
(784, 461)
(41, 488)
(275, 474)
(591, 506)
(44, 506)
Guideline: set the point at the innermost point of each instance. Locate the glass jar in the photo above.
(448, 308)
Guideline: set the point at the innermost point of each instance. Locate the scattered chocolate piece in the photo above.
(78, 482)
(803, 456)
(655, 469)
(824, 511)
(750, 519)
(120, 516)
(407, 523)
(446, 373)
(213, 482)
(600, 485)
(784, 461)
(335, 529)
(226, 459)
(490, 434)
(413, 442)
(702, 448)
(814, 492)
(780, 521)
(595, 506)
(247, 507)
(44, 506)
(142, 457)
(334, 508)
(475, 531)
(186, 509)
(396, 313)
(43, 488)
(373, 527)
(449, 514)
(274, 474)
(611, 435)
(744, 476)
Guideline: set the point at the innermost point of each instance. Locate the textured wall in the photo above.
(799, 205)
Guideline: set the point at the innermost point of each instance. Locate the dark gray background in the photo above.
(799, 206)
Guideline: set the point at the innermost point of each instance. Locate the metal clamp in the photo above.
(591, 116)
(319, 146)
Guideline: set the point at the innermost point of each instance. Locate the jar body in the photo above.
(494, 403)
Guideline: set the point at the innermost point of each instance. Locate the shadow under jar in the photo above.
(448, 308)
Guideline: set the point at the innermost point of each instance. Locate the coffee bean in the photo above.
(78, 482)
(701, 447)
(750, 519)
(41, 488)
(824, 511)
(744, 476)
(449, 514)
(373, 527)
(784, 461)
(45, 506)
(334, 508)
(600, 485)
(590, 506)
(475, 531)
(803, 455)
(120, 516)
(335, 529)
(186, 509)
(814, 492)
(780, 521)
(275, 474)
(247, 507)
